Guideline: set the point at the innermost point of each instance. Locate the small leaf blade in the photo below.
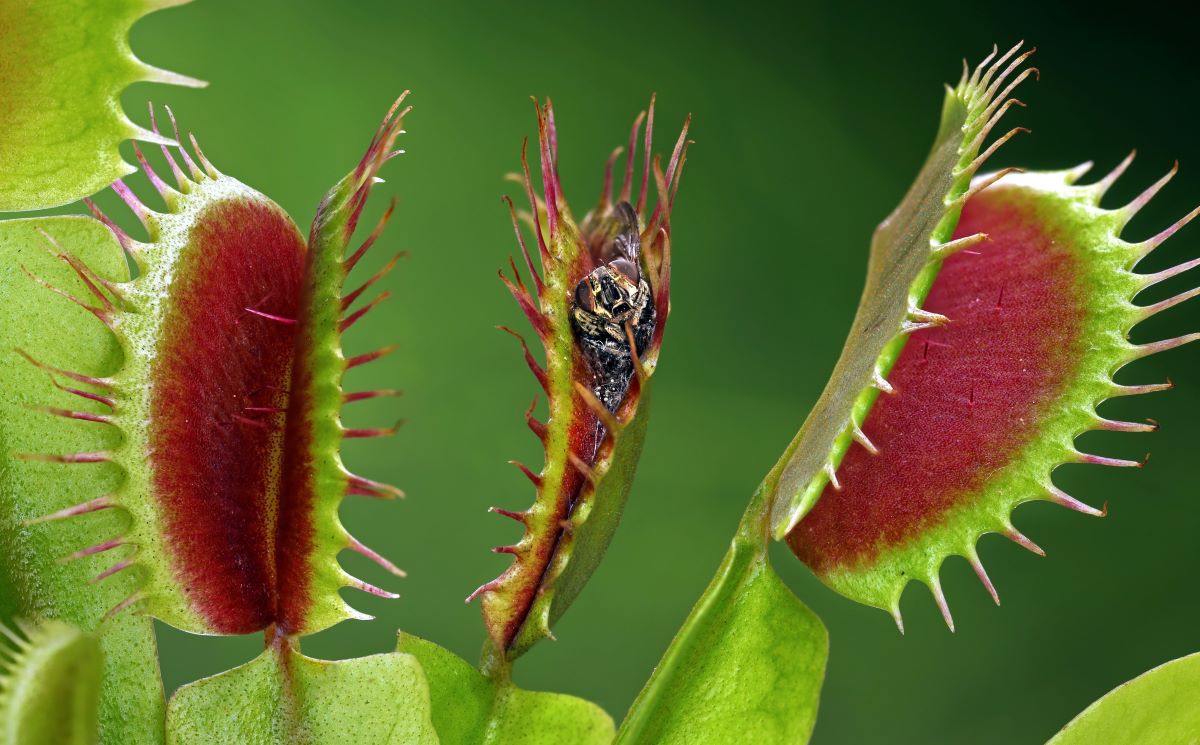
(1159, 707)
(284, 698)
(471, 709)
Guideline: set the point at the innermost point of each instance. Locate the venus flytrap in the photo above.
(599, 306)
(988, 405)
(50, 676)
(226, 484)
(599, 311)
(170, 439)
(65, 65)
(36, 582)
(996, 312)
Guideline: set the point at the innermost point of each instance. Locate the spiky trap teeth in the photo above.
(988, 405)
(229, 399)
(907, 251)
(61, 90)
(599, 306)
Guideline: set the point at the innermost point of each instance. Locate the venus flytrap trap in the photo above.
(222, 432)
(65, 65)
(599, 312)
(599, 306)
(49, 684)
(170, 439)
(231, 458)
(996, 312)
(907, 251)
(750, 659)
(989, 404)
(35, 579)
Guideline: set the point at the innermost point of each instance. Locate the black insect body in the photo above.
(611, 298)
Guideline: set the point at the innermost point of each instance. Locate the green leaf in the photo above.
(37, 584)
(50, 692)
(906, 253)
(746, 666)
(284, 698)
(470, 708)
(1159, 707)
(62, 70)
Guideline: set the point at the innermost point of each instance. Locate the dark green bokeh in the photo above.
(809, 125)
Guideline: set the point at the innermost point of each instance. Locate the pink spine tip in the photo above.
(68, 458)
(115, 568)
(122, 606)
(368, 488)
(1058, 496)
(525, 301)
(349, 299)
(534, 207)
(1018, 538)
(355, 545)
(354, 317)
(103, 383)
(1136, 390)
(630, 155)
(1116, 426)
(1102, 186)
(373, 431)
(647, 145)
(363, 359)
(1100, 460)
(537, 427)
(534, 478)
(96, 549)
(94, 505)
(350, 398)
(537, 277)
(139, 210)
(271, 316)
(372, 589)
(538, 371)
(1128, 211)
(939, 597)
(485, 587)
(549, 179)
(982, 574)
(520, 517)
(82, 416)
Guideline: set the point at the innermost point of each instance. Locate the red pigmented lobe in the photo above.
(215, 469)
(584, 444)
(294, 531)
(968, 395)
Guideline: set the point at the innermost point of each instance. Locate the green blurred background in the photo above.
(810, 121)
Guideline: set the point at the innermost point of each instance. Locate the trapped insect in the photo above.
(612, 304)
